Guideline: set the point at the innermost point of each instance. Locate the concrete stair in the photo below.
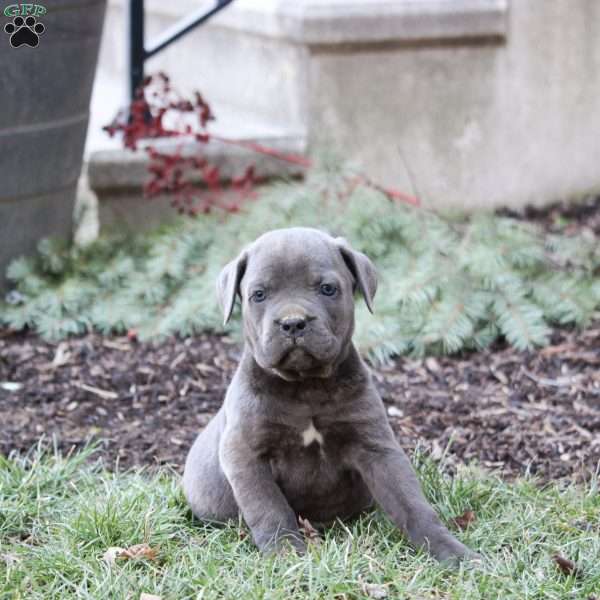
(116, 175)
(491, 102)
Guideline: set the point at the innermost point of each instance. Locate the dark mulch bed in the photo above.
(507, 410)
(569, 218)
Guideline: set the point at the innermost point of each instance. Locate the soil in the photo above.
(569, 218)
(509, 411)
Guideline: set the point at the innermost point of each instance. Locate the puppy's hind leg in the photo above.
(204, 484)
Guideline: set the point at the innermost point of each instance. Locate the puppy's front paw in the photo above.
(283, 544)
(449, 551)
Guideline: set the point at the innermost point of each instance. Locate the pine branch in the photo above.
(445, 285)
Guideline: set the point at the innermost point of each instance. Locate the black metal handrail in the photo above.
(139, 52)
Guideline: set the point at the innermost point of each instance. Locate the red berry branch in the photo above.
(191, 181)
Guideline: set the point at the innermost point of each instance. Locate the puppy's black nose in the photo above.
(292, 326)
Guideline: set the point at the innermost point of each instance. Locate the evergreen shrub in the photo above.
(446, 284)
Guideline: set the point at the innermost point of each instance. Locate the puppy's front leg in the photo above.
(263, 505)
(386, 470)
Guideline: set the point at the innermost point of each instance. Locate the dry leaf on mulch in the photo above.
(11, 386)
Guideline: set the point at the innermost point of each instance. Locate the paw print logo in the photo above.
(24, 31)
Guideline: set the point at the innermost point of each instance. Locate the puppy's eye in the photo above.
(328, 290)
(258, 296)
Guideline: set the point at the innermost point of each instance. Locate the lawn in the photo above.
(59, 516)
(150, 363)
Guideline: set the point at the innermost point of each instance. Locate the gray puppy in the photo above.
(302, 429)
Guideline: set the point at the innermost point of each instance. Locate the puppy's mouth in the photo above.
(298, 364)
(297, 359)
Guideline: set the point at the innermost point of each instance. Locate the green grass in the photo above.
(59, 515)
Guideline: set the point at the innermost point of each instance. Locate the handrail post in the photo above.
(138, 53)
(136, 50)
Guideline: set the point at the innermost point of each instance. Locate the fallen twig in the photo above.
(558, 382)
(105, 394)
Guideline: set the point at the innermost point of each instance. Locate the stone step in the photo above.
(117, 176)
(482, 103)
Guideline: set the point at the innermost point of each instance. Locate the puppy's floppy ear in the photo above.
(228, 284)
(363, 270)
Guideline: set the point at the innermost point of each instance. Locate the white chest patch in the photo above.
(310, 435)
